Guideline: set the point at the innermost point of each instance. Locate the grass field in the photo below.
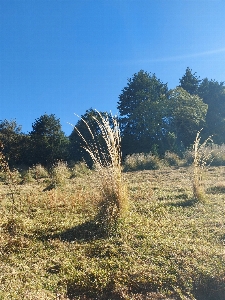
(169, 246)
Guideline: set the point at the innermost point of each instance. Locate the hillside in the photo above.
(169, 247)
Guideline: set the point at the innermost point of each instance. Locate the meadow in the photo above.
(169, 245)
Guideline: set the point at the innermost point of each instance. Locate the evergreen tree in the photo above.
(142, 109)
(190, 82)
(86, 124)
(14, 141)
(48, 141)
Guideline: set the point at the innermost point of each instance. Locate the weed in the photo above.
(171, 249)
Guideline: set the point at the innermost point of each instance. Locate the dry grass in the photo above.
(202, 157)
(172, 246)
(114, 204)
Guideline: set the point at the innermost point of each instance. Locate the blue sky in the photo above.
(66, 56)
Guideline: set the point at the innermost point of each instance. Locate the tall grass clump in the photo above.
(202, 157)
(114, 198)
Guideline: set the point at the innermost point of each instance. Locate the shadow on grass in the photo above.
(210, 289)
(223, 238)
(220, 189)
(87, 231)
(185, 203)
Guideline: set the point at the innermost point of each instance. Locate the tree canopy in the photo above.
(141, 107)
(48, 141)
(213, 94)
(187, 116)
(13, 140)
(87, 126)
(190, 82)
(151, 117)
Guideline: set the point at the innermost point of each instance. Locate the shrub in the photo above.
(38, 172)
(218, 155)
(79, 169)
(142, 161)
(59, 173)
(172, 159)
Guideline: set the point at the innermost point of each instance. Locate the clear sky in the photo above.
(66, 56)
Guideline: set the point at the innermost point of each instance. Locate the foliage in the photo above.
(141, 105)
(190, 82)
(38, 172)
(48, 141)
(142, 161)
(59, 173)
(218, 155)
(186, 116)
(213, 94)
(14, 141)
(77, 144)
(11, 179)
(79, 169)
(172, 159)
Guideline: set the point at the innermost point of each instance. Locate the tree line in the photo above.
(152, 119)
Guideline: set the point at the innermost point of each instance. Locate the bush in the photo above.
(142, 161)
(218, 155)
(38, 172)
(59, 173)
(79, 169)
(172, 159)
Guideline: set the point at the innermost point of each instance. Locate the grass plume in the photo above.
(201, 159)
(114, 204)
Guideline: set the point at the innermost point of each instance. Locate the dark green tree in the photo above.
(190, 82)
(186, 117)
(48, 141)
(142, 110)
(86, 124)
(213, 94)
(14, 142)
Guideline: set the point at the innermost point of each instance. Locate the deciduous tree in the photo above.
(213, 94)
(186, 116)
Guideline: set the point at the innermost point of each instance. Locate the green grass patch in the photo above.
(171, 246)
